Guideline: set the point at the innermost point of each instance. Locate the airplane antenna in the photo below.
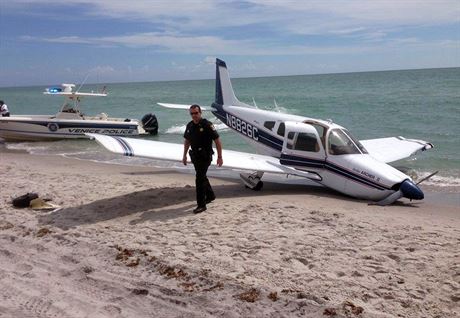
(276, 106)
(86, 77)
(254, 102)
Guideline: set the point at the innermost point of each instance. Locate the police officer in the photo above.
(199, 135)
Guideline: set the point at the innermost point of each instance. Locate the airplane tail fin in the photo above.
(224, 90)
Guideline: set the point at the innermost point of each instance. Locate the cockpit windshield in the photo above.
(341, 142)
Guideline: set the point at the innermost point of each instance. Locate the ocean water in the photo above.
(419, 104)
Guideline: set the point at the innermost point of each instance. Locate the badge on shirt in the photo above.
(201, 129)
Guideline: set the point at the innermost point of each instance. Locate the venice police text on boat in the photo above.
(101, 131)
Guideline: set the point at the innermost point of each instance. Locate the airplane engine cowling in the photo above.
(411, 191)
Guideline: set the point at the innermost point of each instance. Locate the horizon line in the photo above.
(266, 76)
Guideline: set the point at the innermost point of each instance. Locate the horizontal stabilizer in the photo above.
(183, 106)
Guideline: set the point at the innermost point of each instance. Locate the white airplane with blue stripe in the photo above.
(317, 151)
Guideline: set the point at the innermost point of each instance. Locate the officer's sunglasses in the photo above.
(194, 113)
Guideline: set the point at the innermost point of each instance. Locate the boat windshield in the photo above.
(341, 142)
(68, 108)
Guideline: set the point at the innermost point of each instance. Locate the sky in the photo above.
(103, 41)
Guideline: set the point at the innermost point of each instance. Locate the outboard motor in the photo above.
(150, 123)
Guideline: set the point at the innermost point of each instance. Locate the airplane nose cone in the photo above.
(411, 191)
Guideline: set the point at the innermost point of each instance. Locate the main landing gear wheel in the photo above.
(252, 180)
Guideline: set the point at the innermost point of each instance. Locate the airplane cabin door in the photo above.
(302, 146)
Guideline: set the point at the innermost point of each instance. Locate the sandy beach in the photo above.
(125, 243)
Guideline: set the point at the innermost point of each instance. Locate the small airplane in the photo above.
(318, 151)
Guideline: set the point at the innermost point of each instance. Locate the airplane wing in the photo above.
(233, 160)
(394, 148)
(182, 106)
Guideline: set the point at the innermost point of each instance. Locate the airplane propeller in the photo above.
(427, 177)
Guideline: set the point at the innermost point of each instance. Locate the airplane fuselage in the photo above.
(307, 144)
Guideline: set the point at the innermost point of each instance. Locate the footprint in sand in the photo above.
(112, 310)
(24, 267)
(26, 306)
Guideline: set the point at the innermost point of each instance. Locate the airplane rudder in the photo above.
(219, 99)
(224, 90)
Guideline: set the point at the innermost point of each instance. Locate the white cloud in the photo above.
(297, 16)
(405, 12)
(209, 60)
(216, 46)
(201, 45)
(190, 26)
(292, 27)
(102, 69)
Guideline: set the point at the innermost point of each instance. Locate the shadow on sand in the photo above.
(162, 204)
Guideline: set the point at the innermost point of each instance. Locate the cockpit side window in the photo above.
(356, 141)
(291, 135)
(269, 125)
(321, 131)
(306, 142)
(281, 129)
(341, 144)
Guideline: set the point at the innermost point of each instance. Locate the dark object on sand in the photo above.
(23, 201)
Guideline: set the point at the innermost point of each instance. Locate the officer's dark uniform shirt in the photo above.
(201, 135)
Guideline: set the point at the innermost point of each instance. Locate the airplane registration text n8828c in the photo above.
(242, 127)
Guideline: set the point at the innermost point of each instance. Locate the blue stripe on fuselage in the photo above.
(301, 161)
(353, 176)
(128, 151)
(270, 140)
(323, 164)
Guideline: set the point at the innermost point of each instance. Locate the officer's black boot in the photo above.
(199, 209)
(200, 183)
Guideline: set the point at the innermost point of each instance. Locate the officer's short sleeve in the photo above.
(187, 132)
(212, 131)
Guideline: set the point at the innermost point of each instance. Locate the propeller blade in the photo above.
(389, 199)
(427, 177)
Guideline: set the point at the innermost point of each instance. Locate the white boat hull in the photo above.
(34, 128)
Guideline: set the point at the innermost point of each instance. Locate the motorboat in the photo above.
(71, 123)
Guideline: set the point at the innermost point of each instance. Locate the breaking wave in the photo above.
(441, 181)
(31, 148)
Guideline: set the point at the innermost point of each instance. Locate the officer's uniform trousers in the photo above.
(204, 190)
